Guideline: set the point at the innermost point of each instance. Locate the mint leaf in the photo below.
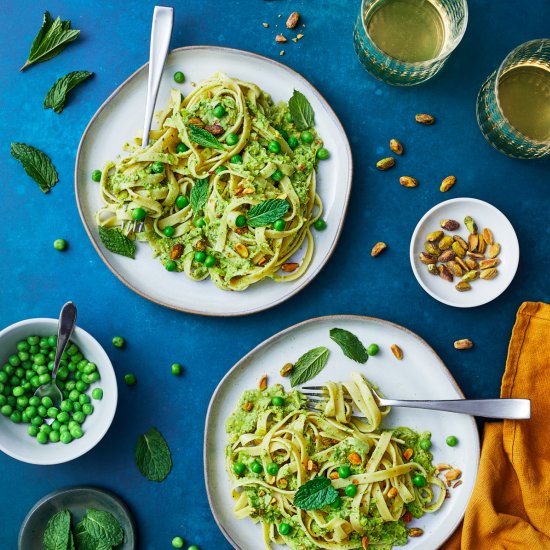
(204, 138)
(301, 111)
(52, 38)
(199, 195)
(103, 527)
(85, 541)
(315, 494)
(267, 212)
(37, 165)
(153, 456)
(309, 365)
(57, 533)
(350, 344)
(117, 242)
(57, 94)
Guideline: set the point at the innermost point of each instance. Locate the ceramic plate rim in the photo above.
(281, 334)
(50, 496)
(338, 230)
(412, 252)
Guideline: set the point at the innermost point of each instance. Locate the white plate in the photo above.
(420, 375)
(485, 215)
(120, 118)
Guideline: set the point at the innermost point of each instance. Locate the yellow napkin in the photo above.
(510, 505)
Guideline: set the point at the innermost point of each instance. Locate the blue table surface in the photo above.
(37, 280)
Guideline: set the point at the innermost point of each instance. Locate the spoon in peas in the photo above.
(67, 321)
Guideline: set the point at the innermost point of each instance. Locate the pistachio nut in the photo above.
(377, 248)
(486, 264)
(397, 351)
(432, 248)
(432, 269)
(481, 245)
(488, 235)
(470, 224)
(447, 183)
(408, 181)
(446, 242)
(444, 273)
(396, 146)
(454, 268)
(434, 236)
(493, 251)
(449, 225)
(425, 119)
(461, 263)
(447, 256)
(385, 164)
(463, 286)
(470, 276)
(463, 344)
(460, 240)
(415, 532)
(489, 273)
(459, 251)
(287, 369)
(427, 259)
(473, 241)
(471, 263)
(476, 255)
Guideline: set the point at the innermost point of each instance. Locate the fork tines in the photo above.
(132, 226)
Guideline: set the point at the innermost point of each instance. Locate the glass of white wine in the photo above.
(406, 42)
(513, 105)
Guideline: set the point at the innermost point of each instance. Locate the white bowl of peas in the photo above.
(33, 430)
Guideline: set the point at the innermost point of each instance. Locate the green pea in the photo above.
(284, 528)
(177, 542)
(293, 142)
(60, 244)
(181, 147)
(81, 386)
(65, 437)
(139, 214)
(425, 444)
(240, 220)
(157, 167)
(79, 417)
(351, 490)
(47, 402)
(284, 134)
(33, 340)
(239, 468)
(220, 169)
(279, 225)
(130, 379)
(182, 201)
(96, 175)
(14, 361)
(373, 349)
(256, 467)
(76, 432)
(56, 425)
(87, 409)
(22, 401)
(274, 146)
(170, 265)
(97, 394)
(54, 436)
(53, 412)
(232, 139)
(452, 441)
(44, 378)
(63, 417)
(23, 346)
(169, 231)
(277, 401)
(45, 429)
(236, 159)
(419, 481)
(210, 261)
(219, 111)
(344, 472)
(193, 547)
(277, 175)
(199, 222)
(17, 391)
(323, 154)
(179, 77)
(93, 377)
(15, 416)
(74, 395)
(288, 117)
(200, 256)
(34, 401)
(320, 224)
(337, 503)
(32, 431)
(273, 469)
(42, 438)
(307, 137)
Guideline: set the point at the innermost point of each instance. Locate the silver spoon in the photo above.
(67, 321)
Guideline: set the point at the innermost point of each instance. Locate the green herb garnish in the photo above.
(267, 212)
(199, 195)
(204, 138)
(309, 365)
(117, 242)
(37, 165)
(52, 38)
(153, 456)
(58, 531)
(349, 344)
(102, 527)
(301, 111)
(57, 94)
(315, 494)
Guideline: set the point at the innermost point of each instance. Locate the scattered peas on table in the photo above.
(177, 542)
(60, 244)
(130, 379)
(176, 369)
(118, 341)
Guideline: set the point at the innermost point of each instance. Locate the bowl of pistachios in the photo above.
(464, 252)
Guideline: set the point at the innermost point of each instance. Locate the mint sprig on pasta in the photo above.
(267, 212)
(315, 494)
(204, 138)
(117, 242)
(301, 111)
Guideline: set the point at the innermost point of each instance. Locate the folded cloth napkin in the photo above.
(510, 505)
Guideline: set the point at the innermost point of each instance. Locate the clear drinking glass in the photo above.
(437, 24)
(533, 110)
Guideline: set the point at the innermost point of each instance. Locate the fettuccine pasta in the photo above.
(276, 445)
(254, 156)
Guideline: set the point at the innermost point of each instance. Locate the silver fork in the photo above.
(510, 409)
(161, 32)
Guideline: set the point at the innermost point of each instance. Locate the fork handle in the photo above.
(489, 408)
(161, 31)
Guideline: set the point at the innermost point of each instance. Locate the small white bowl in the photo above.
(14, 439)
(485, 215)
